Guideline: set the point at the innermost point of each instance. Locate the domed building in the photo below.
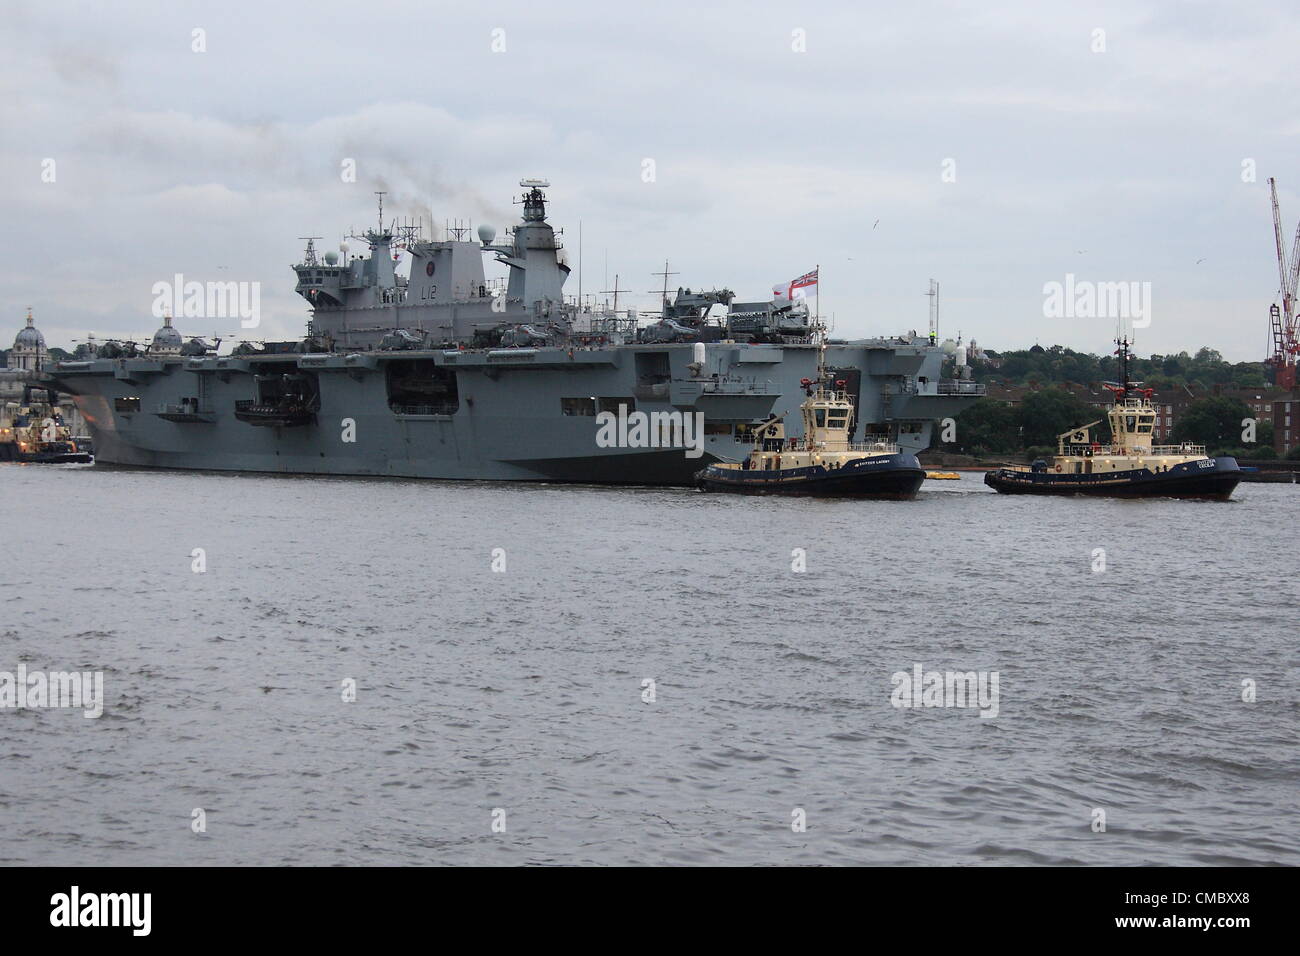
(29, 352)
(166, 341)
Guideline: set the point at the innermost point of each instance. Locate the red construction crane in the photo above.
(1283, 333)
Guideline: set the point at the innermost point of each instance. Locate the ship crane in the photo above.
(1284, 336)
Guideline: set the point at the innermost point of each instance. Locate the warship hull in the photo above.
(442, 373)
(1210, 478)
(897, 477)
(506, 414)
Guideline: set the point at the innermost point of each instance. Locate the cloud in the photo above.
(767, 160)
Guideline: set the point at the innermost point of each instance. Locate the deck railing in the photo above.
(724, 386)
(879, 446)
(962, 388)
(911, 386)
(1091, 451)
(440, 409)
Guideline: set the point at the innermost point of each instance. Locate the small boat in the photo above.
(824, 462)
(942, 476)
(34, 432)
(1129, 466)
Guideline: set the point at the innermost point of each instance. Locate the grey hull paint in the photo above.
(509, 424)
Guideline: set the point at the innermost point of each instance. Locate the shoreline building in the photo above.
(29, 352)
(27, 359)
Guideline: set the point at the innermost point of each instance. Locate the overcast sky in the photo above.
(1124, 164)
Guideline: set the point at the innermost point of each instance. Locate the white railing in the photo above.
(945, 387)
(724, 387)
(879, 447)
(1091, 451)
(955, 387)
(442, 408)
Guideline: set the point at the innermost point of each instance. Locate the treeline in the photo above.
(1057, 364)
(991, 429)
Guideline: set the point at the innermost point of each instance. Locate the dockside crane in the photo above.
(1284, 337)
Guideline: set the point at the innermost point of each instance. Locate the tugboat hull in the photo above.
(55, 457)
(896, 477)
(1211, 478)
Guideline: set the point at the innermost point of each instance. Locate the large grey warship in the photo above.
(444, 375)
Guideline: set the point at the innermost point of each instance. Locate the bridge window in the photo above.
(611, 404)
(578, 406)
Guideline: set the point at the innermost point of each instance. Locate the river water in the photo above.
(570, 675)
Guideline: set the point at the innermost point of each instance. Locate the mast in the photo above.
(819, 330)
(665, 274)
(616, 290)
(309, 257)
(934, 312)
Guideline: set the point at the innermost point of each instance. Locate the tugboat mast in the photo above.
(1124, 383)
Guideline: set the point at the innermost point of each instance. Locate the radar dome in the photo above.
(331, 258)
(343, 248)
(487, 233)
(948, 346)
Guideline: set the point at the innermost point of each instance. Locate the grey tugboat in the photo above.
(443, 374)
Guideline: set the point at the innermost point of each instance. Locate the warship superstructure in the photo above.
(444, 374)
